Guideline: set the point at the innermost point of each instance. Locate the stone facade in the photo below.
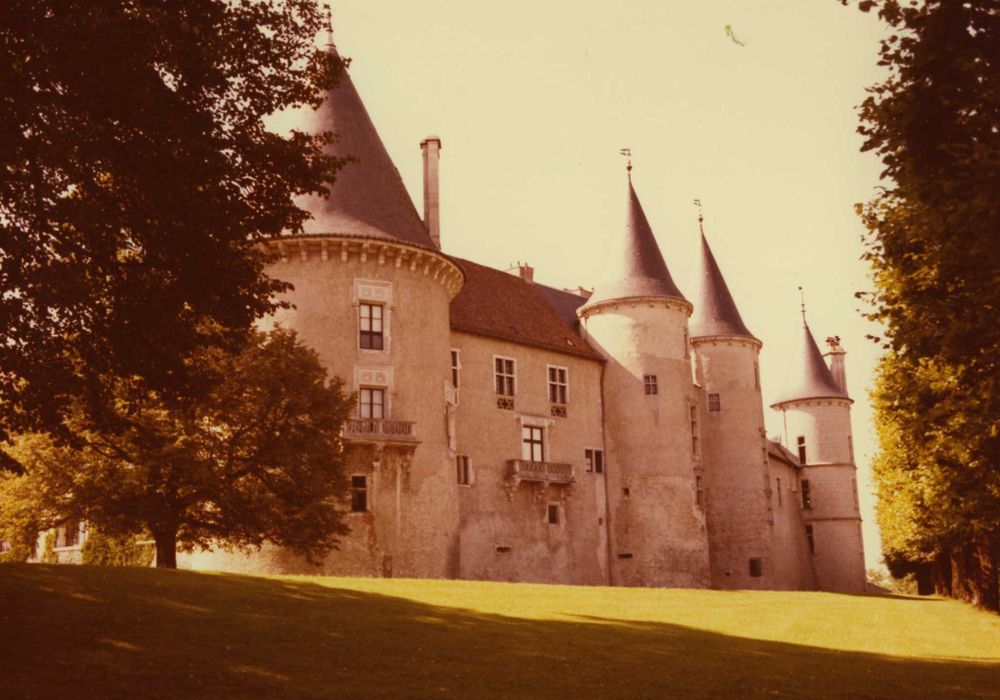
(509, 431)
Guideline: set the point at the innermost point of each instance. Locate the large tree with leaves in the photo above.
(136, 176)
(256, 458)
(934, 246)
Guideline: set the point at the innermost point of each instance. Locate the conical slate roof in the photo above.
(368, 198)
(808, 376)
(715, 311)
(635, 267)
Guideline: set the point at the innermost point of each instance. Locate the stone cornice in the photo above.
(727, 340)
(813, 401)
(681, 305)
(339, 248)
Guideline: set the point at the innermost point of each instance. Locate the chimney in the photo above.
(835, 359)
(431, 147)
(522, 270)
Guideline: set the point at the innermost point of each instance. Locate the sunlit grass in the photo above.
(88, 632)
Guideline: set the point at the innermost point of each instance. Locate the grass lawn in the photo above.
(76, 632)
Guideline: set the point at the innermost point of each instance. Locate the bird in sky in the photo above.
(732, 35)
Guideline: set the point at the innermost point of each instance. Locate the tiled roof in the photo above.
(565, 304)
(499, 305)
(715, 312)
(635, 265)
(368, 198)
(808, 376)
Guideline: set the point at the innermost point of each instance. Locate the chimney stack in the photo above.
(835, 359)
(431, 147)
(522, 270)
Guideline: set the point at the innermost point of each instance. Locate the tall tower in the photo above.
(638, 319)
(817, 419)
(371, 295)
(734, 454)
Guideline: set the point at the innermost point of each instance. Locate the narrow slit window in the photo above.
(810, 540)
(359, 493)
(801, 444)
(464, 470)
(806, 495)
(552, 516)
(455, 367)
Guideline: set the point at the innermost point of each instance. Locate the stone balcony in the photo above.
(540, 473)
(380, 430)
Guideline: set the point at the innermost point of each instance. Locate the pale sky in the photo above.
(533, 100)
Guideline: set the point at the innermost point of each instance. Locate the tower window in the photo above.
(558, 385)
(778, 489)
(806, 496)
(693, 418)
(756, 375)
(699, 493)
(801, 442)
(359, 493)
(552, 514)
(714, 404)
(455, 367)
(810, 540)
(532, 443)
(372, 402)
(756, 567)
(649, 384)
(594, 460)
(370, 323)
(464, 470)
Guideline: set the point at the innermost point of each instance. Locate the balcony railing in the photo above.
(380, 430)
(549, 472)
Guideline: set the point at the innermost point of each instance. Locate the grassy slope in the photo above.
(90, 632)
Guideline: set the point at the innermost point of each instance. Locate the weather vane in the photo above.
(329, 23)
(627, 152)
(802, 303)
(701, 217)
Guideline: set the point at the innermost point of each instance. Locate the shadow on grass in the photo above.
(92, 632)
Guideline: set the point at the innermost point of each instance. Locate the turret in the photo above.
(637, 317)
(734, 455)
(816, 411)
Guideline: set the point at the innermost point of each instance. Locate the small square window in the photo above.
(714, 405)
(552, 515)
(649, 384)
(359, 493)
(464, 470)
(370, 323)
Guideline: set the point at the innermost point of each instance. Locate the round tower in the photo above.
(737, 485)
(638, 317)
(371, 295)
(816, 411)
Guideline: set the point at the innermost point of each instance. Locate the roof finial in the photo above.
(329, 25)
(627, 152)
(701, 216)
(802, 303)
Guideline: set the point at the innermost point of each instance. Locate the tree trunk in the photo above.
(941, 574)
(166, 549)
(925, 579)
(982, 575)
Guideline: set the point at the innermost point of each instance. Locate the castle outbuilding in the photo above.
(507, 430)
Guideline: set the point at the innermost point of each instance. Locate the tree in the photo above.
(258, 458)
(934, 247)
(136, 177)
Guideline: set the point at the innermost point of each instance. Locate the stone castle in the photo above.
(510, 431)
